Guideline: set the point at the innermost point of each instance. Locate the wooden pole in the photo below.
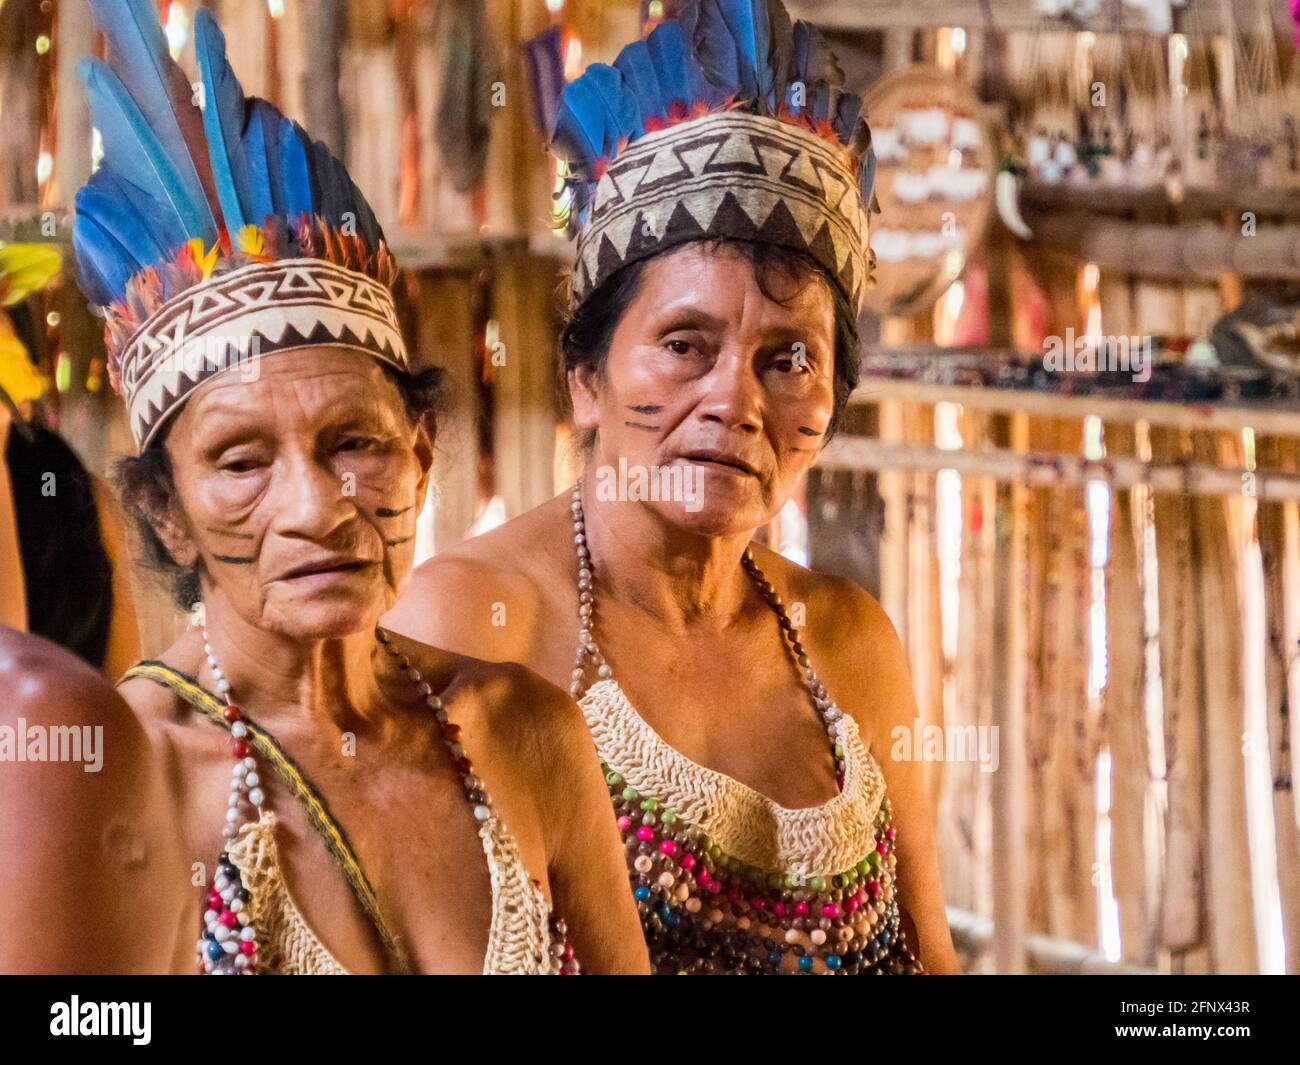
(522, 369)
(1009, 690)
(1049, 468)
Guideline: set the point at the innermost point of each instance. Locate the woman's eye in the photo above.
(793, 362)
(239, 466)
(357, 443)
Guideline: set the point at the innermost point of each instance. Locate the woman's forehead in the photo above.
(705, 276)
(313, 382)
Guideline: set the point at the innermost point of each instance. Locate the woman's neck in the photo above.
(275, 676)
(683, 579)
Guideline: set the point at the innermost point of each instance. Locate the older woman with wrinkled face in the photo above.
(286, 501)
(754, 843)
(718, 180)
(289, 788)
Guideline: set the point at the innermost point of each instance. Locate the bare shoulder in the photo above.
(49, 686)
(852, 641)
(519, 714)
(159, 709)
(485, 597)
(88, 826)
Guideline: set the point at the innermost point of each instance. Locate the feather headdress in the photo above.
(215, 228)
(726, 122)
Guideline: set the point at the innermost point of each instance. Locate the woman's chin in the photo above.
(323, 617)
(714, 518)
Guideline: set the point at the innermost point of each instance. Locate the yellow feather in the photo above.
(18, 377)
(250, 239)
(26, 268)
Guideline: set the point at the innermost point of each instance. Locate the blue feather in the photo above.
(141, 231)
(139, 57)
(367, 224)
(596, 111)
(715, 47)
(636, 65)
(867, 178)
(667, 49)
(747, 22)
(262, 161)
(132, 150)
(294, 176)
(223, 121)
(848, 109)
(623, 114)
(579, 135)
(334, 198)
(104, 266)
(637, 68)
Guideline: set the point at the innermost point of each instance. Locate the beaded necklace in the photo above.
(588, 651)
(229, 941)
(702, 908)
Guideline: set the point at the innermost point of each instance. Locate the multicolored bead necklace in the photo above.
(705, 911)
(229, 941)
(228, 945)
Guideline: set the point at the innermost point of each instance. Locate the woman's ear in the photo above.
(584, 396)
(426, 433)
(164, 513)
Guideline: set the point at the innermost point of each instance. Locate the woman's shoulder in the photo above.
(504, 699)
(84, 797)
(487, 596)
(834, 608)
(159, 708)
(532, 733)
(851, 640)
(44, 683)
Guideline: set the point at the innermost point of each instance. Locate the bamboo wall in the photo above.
(1137, 796)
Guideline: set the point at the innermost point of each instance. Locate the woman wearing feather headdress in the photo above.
(719, 184)
(63, 557)
(285, 446)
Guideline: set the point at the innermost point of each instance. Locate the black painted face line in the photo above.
(235, 560)
(646, 408)
(228, 532)
(808, 432)
(398, 541)
(643, 426)
(389, 512)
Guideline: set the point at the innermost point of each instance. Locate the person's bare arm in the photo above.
(468, 607)
(123, 649)
(90, 862)
(585, 862)
(885, 689)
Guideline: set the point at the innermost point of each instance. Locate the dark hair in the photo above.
(589, 329)
(147, 486)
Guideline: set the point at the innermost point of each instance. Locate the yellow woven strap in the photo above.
(321, 820)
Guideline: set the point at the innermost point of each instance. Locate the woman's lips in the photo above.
(723, 462)
(325, 572)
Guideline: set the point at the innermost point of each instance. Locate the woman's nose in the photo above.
(732, 394)
(315, 499)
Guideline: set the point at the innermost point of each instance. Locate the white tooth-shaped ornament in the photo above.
(1008, 200)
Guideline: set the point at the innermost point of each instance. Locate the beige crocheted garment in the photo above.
(519, 938)
(811, 841)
